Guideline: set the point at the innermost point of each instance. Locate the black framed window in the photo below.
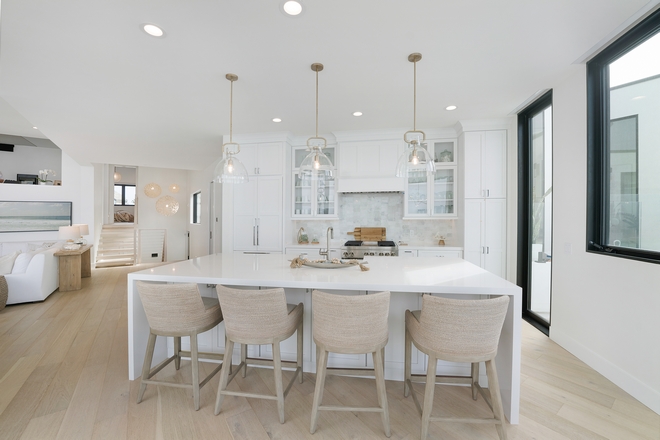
(196, 214)
(623, 145)
(124, 195)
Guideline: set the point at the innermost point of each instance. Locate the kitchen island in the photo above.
(406, 278)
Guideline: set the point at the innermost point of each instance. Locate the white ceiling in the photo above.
(94, 83)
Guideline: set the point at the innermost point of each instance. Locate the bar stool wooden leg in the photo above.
(496, 398)
(146, 367)
(428, 395)
(224, 378)
(406, 365)
(177, 352)
(380, 388)
(299, 358)
(279, 389)
(321, 365)
(244, 359)
(195, 369)
(475, 380)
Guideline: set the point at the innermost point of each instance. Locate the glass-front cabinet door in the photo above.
(313, 198)
(443, 191)
(417, 196)
(432, 196)
(443, 152)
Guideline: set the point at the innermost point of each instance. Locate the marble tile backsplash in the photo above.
(380, 210)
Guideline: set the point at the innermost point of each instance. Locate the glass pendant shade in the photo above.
(415, 161)
(230, 170)
(315, 163)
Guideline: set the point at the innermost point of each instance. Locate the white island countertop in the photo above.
(421, 275)
(401, 276)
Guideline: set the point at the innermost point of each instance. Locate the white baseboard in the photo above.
(621, 378)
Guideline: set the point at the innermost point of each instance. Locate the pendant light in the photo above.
(415, 160)
(316, 162)
(230, 169)
(116, 177)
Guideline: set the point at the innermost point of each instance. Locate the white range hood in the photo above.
(370, 185)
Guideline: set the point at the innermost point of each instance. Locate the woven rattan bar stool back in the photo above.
(457, 330)
(259, 317)
(350, 324)
(177, 310)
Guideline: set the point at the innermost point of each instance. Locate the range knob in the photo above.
(381, 254)
(387, 254)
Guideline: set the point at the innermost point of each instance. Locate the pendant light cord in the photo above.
(231, 110)
(317, 103)
(415, 96)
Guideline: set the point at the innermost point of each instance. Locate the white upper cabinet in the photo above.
(485, 164)
(263, 158)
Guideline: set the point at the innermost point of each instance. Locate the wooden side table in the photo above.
(74, 265)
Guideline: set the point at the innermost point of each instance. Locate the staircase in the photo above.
(117, 246)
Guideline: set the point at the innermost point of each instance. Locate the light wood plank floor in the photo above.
(63, 375)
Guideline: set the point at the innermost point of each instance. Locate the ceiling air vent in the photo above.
(7, 147)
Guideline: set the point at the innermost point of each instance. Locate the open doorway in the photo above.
(125, 195)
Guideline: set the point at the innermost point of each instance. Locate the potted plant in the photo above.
(43, 177)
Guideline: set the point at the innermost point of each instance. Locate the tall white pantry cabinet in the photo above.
(483, 157)
(257, 208)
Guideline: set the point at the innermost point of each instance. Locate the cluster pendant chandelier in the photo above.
(230, 169)
(415, 160)
(316, 162)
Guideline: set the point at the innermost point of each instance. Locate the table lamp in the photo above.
(70, 234)
(84, 230)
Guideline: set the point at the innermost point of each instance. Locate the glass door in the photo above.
(535, 211)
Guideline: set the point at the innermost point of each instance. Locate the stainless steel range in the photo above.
(360, 249)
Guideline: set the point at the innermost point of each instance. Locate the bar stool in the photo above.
(457, 330)
(177, 310)
(352, 325)
(259, 317)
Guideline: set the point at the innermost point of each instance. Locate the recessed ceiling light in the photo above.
(357, 113)
(292, 7)
(153, 30)
(277, 120)
(639, 97)
(451, 107)
(35, 128)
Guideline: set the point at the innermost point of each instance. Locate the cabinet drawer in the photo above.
(450, 254)
(407, 252)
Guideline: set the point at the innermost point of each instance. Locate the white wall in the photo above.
(199, 233)
(29, 160)
(604, 309)
(148, 218)
(77, 187)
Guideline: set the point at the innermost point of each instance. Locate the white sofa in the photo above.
(35, 274)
